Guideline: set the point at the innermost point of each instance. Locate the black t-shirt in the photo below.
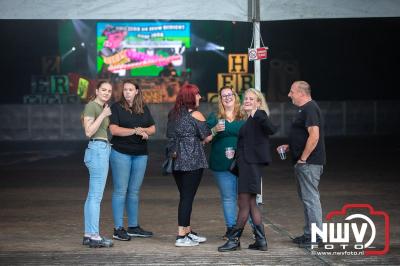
(308, 115)
(132, 145)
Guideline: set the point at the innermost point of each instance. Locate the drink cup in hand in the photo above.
(282, 153)
(229, 152)
(221, 123)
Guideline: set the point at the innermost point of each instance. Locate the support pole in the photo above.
(257, 63)
(255, 18)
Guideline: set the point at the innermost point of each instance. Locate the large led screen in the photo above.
(141, 48)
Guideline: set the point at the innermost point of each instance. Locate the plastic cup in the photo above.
(282, 153)
(229, 152)
(221, 122)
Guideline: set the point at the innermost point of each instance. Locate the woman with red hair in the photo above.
(186, 131)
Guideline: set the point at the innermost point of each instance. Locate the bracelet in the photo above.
(301, 160)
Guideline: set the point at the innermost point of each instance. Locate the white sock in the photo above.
(95, 237)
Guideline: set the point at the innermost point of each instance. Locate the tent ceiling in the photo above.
(227, 10)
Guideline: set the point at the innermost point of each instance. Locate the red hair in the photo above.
(186, 98)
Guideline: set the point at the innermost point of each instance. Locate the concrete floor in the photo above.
(43, 188)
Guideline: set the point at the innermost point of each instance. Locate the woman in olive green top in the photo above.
(225, 128)
(95, 122)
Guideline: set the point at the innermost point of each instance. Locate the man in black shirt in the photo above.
(307, 146)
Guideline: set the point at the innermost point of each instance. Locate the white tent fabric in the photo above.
(226, 10)
(229, 10)
(308, 9)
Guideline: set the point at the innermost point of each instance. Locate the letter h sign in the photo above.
(238, 77)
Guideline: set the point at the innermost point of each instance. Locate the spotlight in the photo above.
(73, 48)
(83, 44)
(197, 49)
(213, 47)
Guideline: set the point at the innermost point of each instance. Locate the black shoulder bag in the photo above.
(234, 168)
(167, 166)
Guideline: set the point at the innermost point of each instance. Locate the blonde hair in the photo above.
(237, 111)
(260, 99)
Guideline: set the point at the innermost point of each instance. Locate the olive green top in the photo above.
(223, 139)
(93, 109)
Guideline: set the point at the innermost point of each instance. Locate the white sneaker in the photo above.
(185, 242)
(196, 237)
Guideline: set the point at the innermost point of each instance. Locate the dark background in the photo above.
(342, 59)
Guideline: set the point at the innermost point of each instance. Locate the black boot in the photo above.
(261, 240)
(228, 232)
(233, 242)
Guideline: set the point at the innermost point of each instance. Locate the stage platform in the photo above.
(43, 186)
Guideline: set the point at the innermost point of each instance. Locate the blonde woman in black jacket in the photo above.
(253, 152)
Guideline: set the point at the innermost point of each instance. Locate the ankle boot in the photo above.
(227, 233)
(233, 242)
(261, 240)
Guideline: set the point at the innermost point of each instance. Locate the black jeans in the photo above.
(187, 182)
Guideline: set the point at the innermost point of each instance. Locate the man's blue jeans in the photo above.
(128, 173)
(227, 184)
(96, 159)
(307, 179)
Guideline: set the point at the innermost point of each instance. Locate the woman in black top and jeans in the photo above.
(186, 131)
(131, 124)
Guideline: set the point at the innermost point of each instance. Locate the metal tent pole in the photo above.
(255, 18)
(257, 63)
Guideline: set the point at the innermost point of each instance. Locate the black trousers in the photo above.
(187, 182)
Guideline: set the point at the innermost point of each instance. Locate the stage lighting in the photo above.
(213, 47)
(73, 48)
(83, 44)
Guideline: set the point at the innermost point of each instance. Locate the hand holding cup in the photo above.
(220, 125)
(229, 152)
(282, 151)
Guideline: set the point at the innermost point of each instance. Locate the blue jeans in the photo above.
(227, 184)
(96, 159)
(128, 173)
(307, 179)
